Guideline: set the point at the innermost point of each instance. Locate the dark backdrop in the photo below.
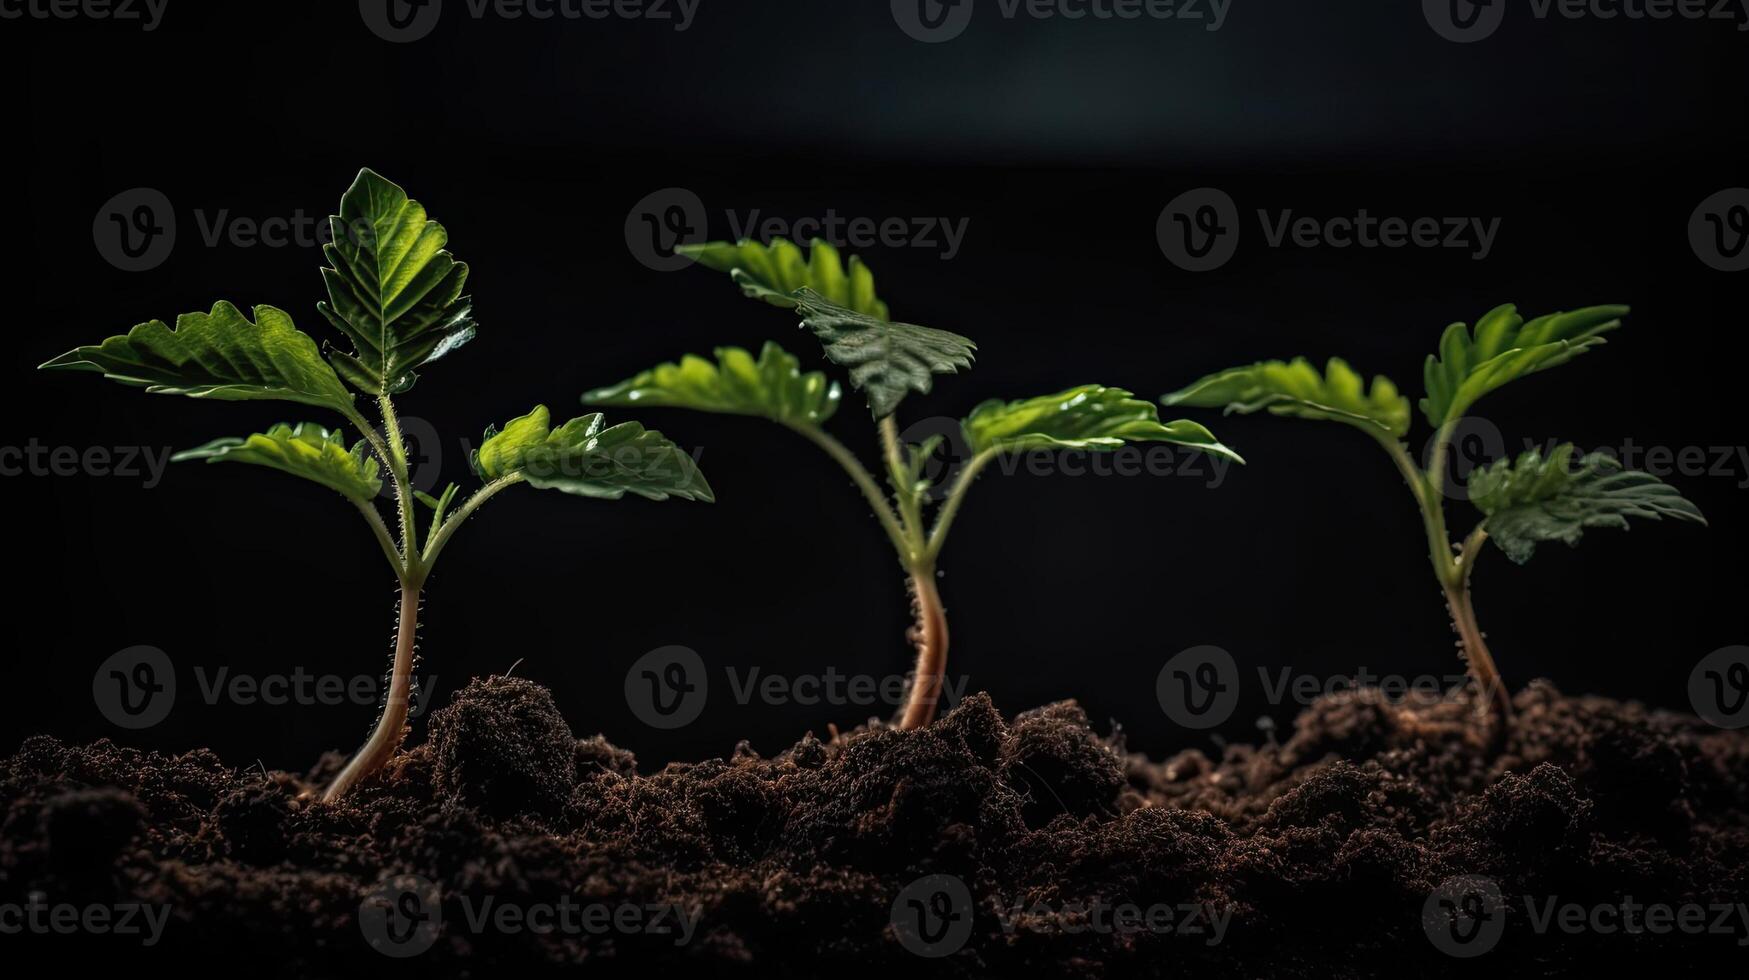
(1058, 143)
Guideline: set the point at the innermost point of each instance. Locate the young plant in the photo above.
(1538, 497)
(886, 360)
(395, 294)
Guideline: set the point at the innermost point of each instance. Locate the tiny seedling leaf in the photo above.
(1296, 388)
(1546, 498)
(220, 355)
(1504, 348)
(886, 359)
(1091, 417)
(774, 272)
(584, 458)
(393, 289)
(305, 450)
(772, 387)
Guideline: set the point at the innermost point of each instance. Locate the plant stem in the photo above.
(910, 508)
(951, 507)
(391, 726)
(398, 471)
(381, 530)
(1453, 572)
(929, 635)
(440, 536)
(864, 481)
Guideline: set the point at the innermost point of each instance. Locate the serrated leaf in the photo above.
(772, 387)
(1090, 417)
(774, 272)
(306, 450)
(887, 359)
(393, 289)
(1540, 498)
(1296, 388)
(1504, 348)
(585, 458)
(220, 355)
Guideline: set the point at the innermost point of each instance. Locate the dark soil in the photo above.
(1318, 855)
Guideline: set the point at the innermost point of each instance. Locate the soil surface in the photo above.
(1377, 839)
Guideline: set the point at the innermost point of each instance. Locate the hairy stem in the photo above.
(951, 507)
(391, 726)
(441, 536)
(381, 530)
(864, 482)
(929, 635)
(1481, 663)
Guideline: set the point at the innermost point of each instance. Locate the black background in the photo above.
(1059, 142)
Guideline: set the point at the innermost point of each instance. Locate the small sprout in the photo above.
(1533, 499)
(396, 294)
(886, 360)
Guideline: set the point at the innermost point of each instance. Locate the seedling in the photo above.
(886, 360)
(395, 294)
(1538, 497)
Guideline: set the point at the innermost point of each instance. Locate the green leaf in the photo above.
(220, 355)
(305, 450)
(393, 289)
(1545, 498)
(1503, 348)
(887, 359)
(1295, 388)
(583, 458)
(772, 387)
(1091, 417)
(774, 272)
